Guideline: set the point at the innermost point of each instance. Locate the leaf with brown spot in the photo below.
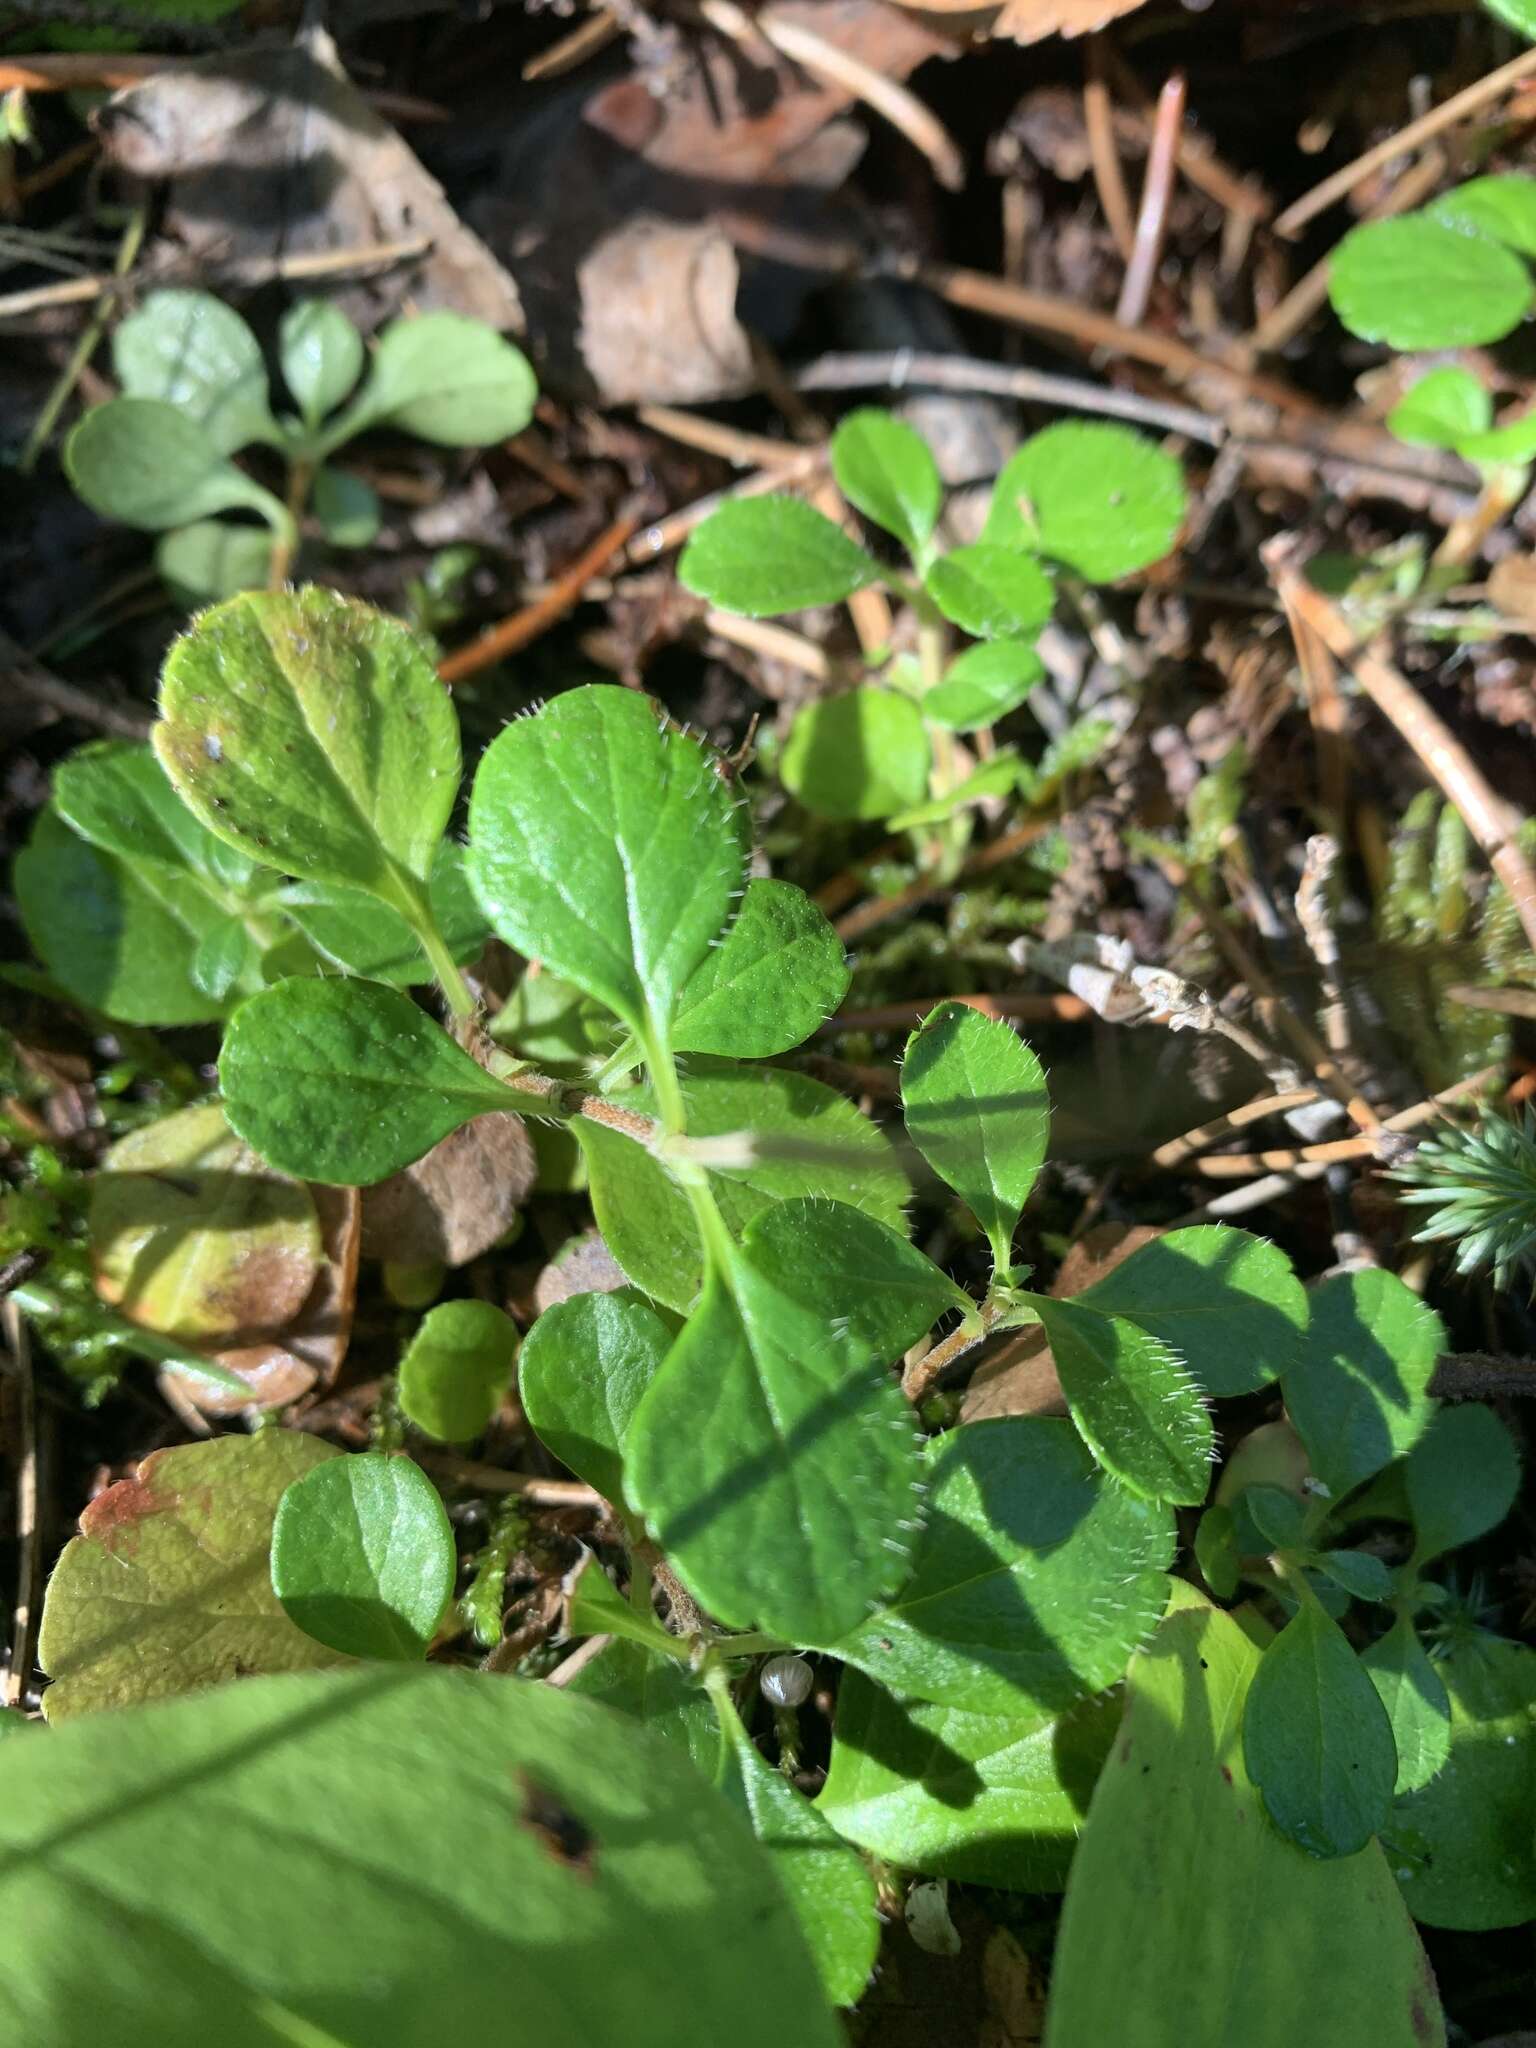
(305, 1356)
(168, 1586)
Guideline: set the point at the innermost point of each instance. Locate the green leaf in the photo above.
(1360, 1575)
(547, 1021)
(1501, 208)
(773, 1456)
(983, 684)
(151, 465)
(773, 554)
(811, 1140)
(993, 592)
(456, 1369)
(1187, 1912)
(861, 755)
(368, 938)
(1441, 409)
(1100, 498)
(1358, 1393)
(1419, 283)
(210, 559)
(1228, 1303)
(167, 1588)
(347, 509)
(1278, 1516)
(1035, 1578)
(363, 1556)
(226, 954)
(115, 794)
(658, 1691)
(1135, 1406)
(312, 733)
(1462, 1478)
(1464, 1846)
(119, 938)
(832, 1893)
(205, 1857)
(885, 470)
(608, 848)
(585, 1365)
(777, 974)
(594, 1606)
(1217, 1552)
(347, 1082)
(1316, 1738)
(997, 777)
(446, 378)
(197, 354)
(193, 1235)
(1416, 1702)
(321, 353)
(973, 1096)
(1520, 15)
(977, 1798)
(1514, 440)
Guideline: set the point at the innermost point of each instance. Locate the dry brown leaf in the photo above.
(583, 1265)
(1021, 1378)
(272, 155)
(455, 1203)
(1027, 21)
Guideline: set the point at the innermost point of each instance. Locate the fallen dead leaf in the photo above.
(1021, 1377)
(583, 1265)
(272, 154)
(1027, 21)
(455, 1203)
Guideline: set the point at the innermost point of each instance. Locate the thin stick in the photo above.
(1177, 1150)
(1197, 157)
(68, 699)
(308, 264)
(1307, 295)
(775, 643)
(884, 96)
(1509, 1002)
(1108, 178)
(1327, 716)
(534, 620)
(585, 41)
(881, 909)
(977, 292)
(1404, 142)
(28, 1555)
(541, 1493)
(1487, 817)
(903, 369)
(1241, 1200)
(584, 1654)
(672, 531)
(746, 451)
(1054, 1009)
(1156, 191)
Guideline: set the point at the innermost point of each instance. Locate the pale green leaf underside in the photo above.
(456, 1368)
(1183, 1897)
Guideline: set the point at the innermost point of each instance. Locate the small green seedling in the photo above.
(1088, 503)
(196, 392)
(1454, 275)
(983, 1590)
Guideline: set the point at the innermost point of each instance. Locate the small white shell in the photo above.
(786, 1681)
